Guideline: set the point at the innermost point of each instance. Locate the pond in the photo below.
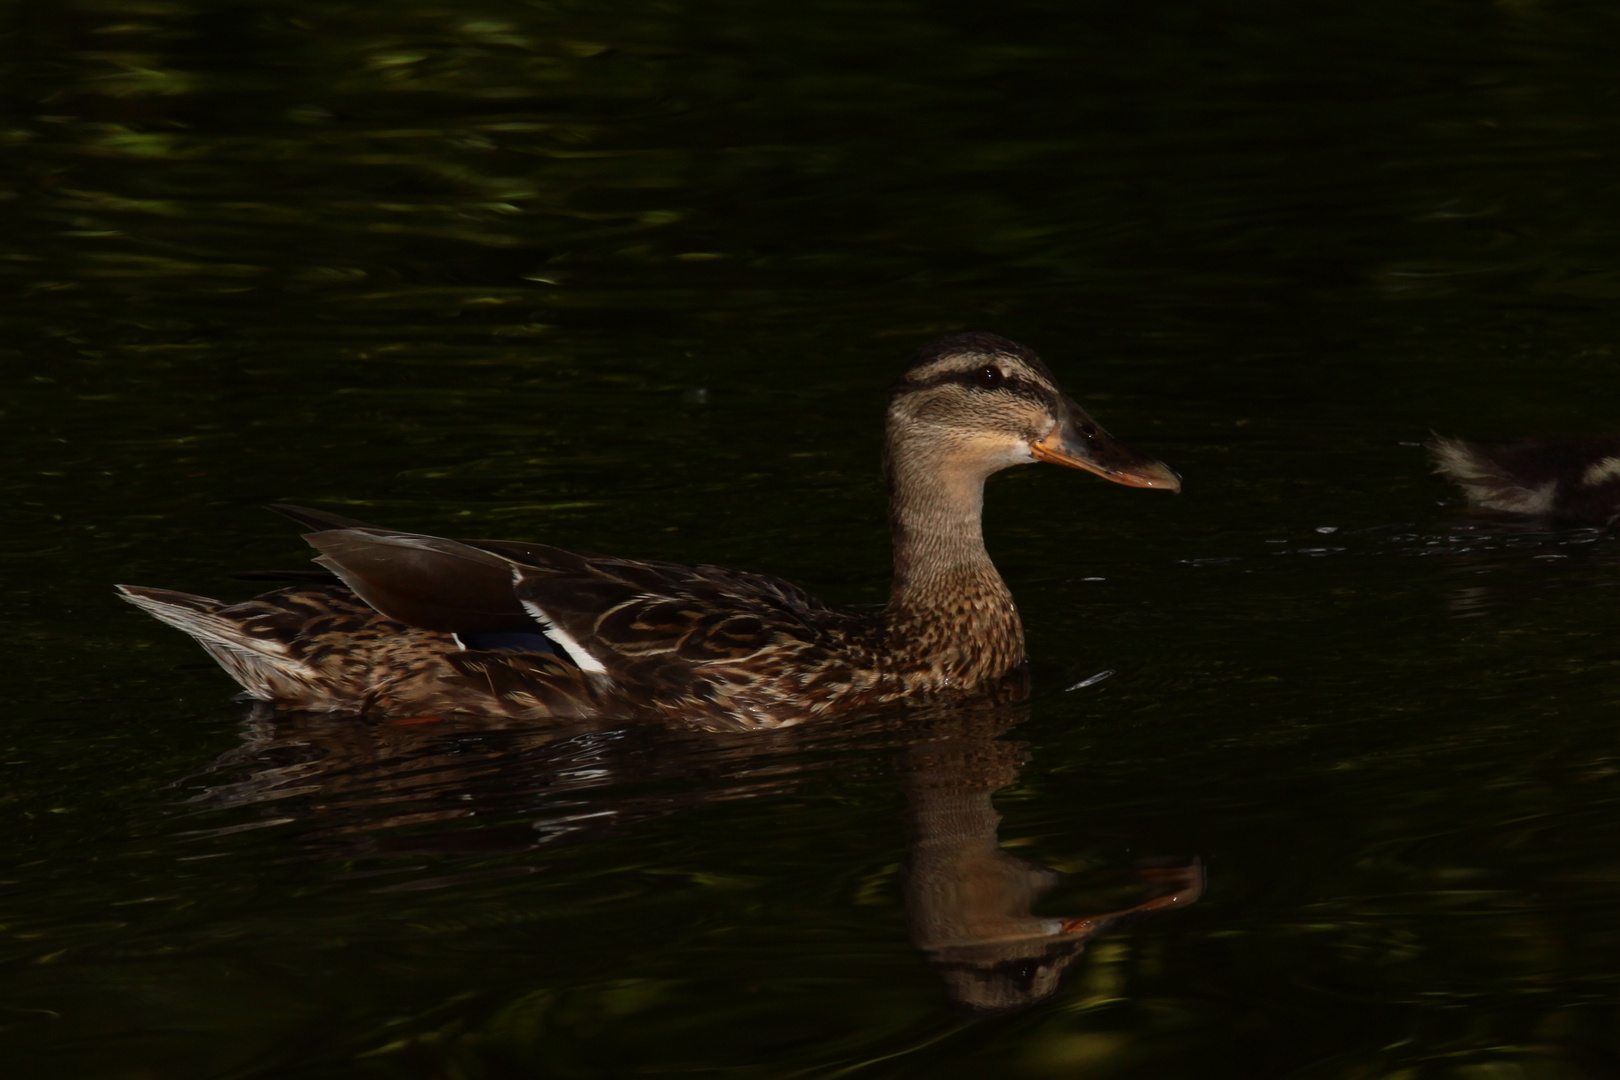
(633, 276)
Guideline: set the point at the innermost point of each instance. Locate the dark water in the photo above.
(632, 276)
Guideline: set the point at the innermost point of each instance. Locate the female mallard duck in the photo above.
(421, 625)
(1572, 478)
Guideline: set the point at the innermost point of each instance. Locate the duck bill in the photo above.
(1078, 443)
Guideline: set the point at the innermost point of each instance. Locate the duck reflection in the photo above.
(970, 903)
(435, 788)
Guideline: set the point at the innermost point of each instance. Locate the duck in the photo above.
(407, 625)
(1568, 478)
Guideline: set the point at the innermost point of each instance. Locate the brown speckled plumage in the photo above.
(698, 644)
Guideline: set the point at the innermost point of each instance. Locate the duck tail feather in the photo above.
(264, 667)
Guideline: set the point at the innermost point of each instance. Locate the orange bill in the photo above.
(1077, 442)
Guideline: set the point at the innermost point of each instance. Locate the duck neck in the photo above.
(947, 604)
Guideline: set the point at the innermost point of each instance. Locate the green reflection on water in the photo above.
(632, 277)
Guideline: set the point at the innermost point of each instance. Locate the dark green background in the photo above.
(632, 277)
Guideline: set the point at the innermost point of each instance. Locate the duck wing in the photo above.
(426, 581)
(663, 625)
(658, 626)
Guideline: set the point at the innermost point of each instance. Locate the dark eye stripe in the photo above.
(1010, 383)
(1018, 387)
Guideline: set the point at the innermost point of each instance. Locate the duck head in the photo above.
(976, 404)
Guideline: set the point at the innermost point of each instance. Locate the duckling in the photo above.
(1573, 478)
(421, 625)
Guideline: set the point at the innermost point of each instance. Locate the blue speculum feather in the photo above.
(518, 641)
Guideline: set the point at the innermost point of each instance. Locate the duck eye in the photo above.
(989, 377)
(1088, 430)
